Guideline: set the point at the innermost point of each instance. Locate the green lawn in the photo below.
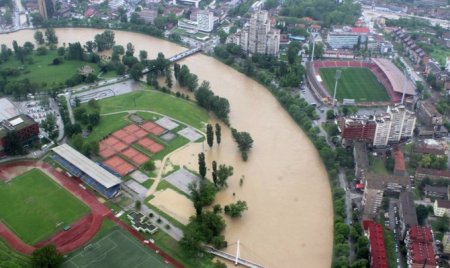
(378, 166)
(116, 249)
(355, 83)
(185, 111)
(32, 204)
(41, 71)
(108, 124)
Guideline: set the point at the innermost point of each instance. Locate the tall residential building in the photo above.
(396, 124)
(46, 8)
(205, 21)
(258, 37)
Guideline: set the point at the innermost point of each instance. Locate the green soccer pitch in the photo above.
(34, 206)
(116, 249)
(359, 84)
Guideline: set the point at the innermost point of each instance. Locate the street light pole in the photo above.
(314, 46)
(337, 76)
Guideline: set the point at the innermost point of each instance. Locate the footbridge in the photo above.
(236, 259)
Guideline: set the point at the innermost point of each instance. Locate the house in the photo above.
(429, 146)
(432, 174)
(399, 164)
(435, 191)
(429, 115)
(375, 187)
(407, 212)
(375, 234)
(441, 207)
(419, 243)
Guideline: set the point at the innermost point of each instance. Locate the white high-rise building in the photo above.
(395, 124)
(383, 126)
(205, 21)
(258, 37)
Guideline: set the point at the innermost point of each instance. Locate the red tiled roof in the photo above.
(399, 161)
(420, 247)
(360, 30)
(377, 249)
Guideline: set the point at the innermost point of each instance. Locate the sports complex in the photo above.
(367, 83)
(41, 205)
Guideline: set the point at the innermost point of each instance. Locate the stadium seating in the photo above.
(107, 192)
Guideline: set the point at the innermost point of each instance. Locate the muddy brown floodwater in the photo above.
(290, 217)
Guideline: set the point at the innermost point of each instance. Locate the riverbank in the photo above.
(290, 218)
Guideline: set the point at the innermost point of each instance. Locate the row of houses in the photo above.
(414, 52)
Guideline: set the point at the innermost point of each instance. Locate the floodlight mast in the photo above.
(337, 76)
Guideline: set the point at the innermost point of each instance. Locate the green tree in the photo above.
(136, 71)
(214, 172)
(222, 36)
(149, 165)
(330, 115)
(47, 256)
(138, 205)
(143, 55)
(223, 173)
(202, 194)
(243, 140)
(176, 70)
(201, 165)
(50, 34)
(169, 82)
(218, 134)
(39, 37)
(235, 210)
(209, 135)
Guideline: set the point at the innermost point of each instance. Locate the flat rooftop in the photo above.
(88, 166)
(7, 109)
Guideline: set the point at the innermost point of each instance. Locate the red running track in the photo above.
(79, 234)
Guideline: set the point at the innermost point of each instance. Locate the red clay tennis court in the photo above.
(130, 139)
(110, 141)
(150, 145)
(106, 152)
(140, 133)
(120, 134)
(131, 128)
(146, 142)
(153, 128)
(119, 165)
(135, 156)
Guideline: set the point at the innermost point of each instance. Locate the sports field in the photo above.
(116, 249)
(359, 84)
(32, 205)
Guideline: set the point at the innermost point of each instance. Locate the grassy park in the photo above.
(34, 206)
(355, 83)
(38, 71)
(152, 100)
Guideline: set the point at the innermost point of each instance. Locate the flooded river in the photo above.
(290, 217)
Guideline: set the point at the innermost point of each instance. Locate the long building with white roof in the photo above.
(87, 170)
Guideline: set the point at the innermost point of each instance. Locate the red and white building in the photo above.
(419, 242)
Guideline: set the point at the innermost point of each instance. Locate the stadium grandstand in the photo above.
(392, 79)
(88, 171)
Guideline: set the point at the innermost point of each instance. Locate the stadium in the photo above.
(364, 83)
